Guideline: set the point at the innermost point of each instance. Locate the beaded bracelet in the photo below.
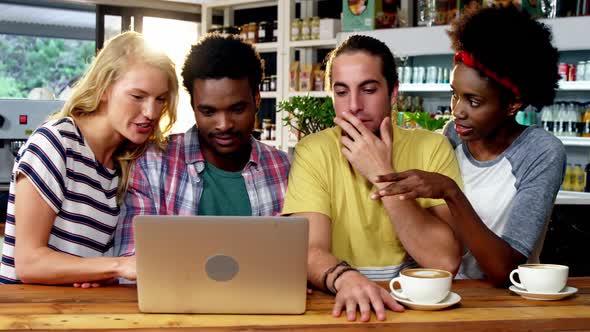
(330, 270)
(347, 268)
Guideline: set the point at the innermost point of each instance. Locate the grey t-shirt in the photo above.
(514, 193)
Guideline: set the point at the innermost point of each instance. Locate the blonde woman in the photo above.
(70, 176)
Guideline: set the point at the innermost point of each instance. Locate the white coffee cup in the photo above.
(541, 278)
(427, 286)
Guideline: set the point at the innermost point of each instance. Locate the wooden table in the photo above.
(24, 307)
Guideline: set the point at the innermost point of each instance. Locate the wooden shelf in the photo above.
(239, 4)
(574, 86)
(268, 94)
(572, 198)
(575, 141)
(266, 47)
(437, 87)
(317, 94)
(424, 87)
(318, 43)
(567, 34)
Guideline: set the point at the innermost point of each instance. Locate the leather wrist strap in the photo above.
(340, 273)
(328, 272)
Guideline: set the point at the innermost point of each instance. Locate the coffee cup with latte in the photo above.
(427, 286)
(540, 278)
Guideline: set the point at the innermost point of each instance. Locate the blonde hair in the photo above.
(118, 54)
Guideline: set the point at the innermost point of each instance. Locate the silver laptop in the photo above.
(205, 264)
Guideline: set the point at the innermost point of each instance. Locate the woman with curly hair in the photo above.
(70, 177)
(504, 62)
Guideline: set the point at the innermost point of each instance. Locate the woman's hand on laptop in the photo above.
(97, 283)
(127, 267)
(355, 290)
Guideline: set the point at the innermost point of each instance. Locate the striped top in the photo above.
(81, 191)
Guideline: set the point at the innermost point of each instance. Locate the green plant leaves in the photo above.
(307, 114)
(424, 120)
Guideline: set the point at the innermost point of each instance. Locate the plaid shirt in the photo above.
(169, 182)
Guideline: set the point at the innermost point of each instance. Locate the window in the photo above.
(174, 32)
(43, 50)
(158, 30)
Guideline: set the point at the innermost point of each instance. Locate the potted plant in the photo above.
(307, 115)
(426, 120)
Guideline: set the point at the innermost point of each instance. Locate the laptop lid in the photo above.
(221, 264)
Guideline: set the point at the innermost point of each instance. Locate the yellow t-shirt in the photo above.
(322, 180)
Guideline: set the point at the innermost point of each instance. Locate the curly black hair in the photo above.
(370, 45)
(513, 45)
(217, 56)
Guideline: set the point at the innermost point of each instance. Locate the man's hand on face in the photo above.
(367, 153)
(356, 291)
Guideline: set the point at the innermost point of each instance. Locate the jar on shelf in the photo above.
(275, 31)
(315, 27)
(252, 32)
(273, 83)
(265, 84)
(267, 126)
(273, 132)
(262, 32)
(306, 29)
(215, 28)
(446, 75)
(296, 29)
(318, 80)
(244, 32)
(257, 124)
(440, 75)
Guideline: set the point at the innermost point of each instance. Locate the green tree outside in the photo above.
(30, 62)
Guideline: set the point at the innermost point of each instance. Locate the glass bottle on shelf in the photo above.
(275, 31)
(273, 83)
(252, 32)
(315, 27)
(418, 107)
(262, 29)
(425, 12)
(267, 126)
(244, 32)
(273, 132)
(265, 84)
(257, 132)
(296, 29)
(586, 122)
(401, 109)
(306, 29)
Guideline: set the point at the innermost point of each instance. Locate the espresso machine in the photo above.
(18, 119)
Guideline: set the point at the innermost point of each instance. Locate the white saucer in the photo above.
(567, 291)
(451, 299)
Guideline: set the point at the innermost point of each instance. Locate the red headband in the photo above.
(472, 62)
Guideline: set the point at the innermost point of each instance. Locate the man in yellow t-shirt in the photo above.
(354, 240)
